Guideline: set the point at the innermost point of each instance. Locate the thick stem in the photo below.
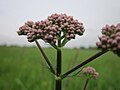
(45, 57)
(59, 58)
(86, 83)
(84, 63)
(58, 85)
(59, 69)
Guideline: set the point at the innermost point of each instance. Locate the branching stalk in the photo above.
(84, 63)
(45, 57)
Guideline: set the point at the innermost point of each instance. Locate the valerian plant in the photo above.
(57, 30)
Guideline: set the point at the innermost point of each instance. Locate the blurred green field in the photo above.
(23, 68)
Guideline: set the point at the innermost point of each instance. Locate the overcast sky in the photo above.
(93, 13)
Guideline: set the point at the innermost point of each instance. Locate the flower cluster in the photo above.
(110, 38)
(55, 27)
(90, 72)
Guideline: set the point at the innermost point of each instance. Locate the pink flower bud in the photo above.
(118, 46)
(109, 41)
(114, 42)
(117, 39)
(118, 34)
(29, 23)
(104, 40)
(72, 36)
(113, 35)
(99, 44)
(104, 47)
(89, 71)
(118, 27)
(96, 75)
(46, 37)
(39, 31)
(50, 37)
(107, 26)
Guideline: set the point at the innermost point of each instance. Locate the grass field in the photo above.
(23, 68)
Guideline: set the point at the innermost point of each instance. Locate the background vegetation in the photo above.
(23, 68)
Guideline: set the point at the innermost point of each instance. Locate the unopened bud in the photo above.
(114, 42)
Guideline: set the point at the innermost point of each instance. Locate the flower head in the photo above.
(55, 27)
(110, 39)
(90, 72)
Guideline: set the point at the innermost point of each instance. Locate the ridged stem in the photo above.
(58, 85)
(45, 57)
(84, 63)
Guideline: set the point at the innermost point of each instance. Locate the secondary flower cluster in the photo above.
(56, 26)
(90, 72)
(110, 38)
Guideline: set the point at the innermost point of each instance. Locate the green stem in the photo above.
(64, 42)
(45, 57)
(54, 46)
(59, 58)
(58, 85)
(59, 69)
(86, 83)
(83, 63)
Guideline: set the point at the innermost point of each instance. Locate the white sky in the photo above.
(93, 13)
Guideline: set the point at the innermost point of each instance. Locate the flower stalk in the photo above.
(58, 85)
(45, 57)
(86, 83)
(84, 63)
